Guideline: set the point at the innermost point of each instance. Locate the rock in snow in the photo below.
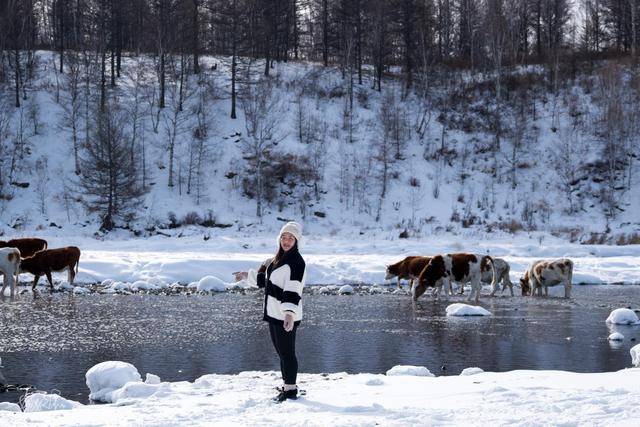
(415, 371)
(466, 310)
(346, 290)
(211, 284)
(106, 377)
(623, 316)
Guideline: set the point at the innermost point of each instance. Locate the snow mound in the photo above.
(211, 284)
(134, 390)
(11, 407)
(635, 356)
(39, 402)
(409, 370)
(79, 290)
(119, 286)
(143, 285)
(346, 290)
(106, 282)
(616, 336)
(152, 379)
(471, 371)
(459, 309)
(106, 377)
(65, 286)
(623, 316)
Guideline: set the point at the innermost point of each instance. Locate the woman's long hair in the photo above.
(280, 254)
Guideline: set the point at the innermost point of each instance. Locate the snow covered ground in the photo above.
(483, 398)
(340, 259)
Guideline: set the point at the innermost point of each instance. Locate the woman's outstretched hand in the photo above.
(288, 322)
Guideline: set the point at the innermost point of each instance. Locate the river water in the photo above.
(51, 340)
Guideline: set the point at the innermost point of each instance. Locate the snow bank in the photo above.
(459, 309)
(408, 370)
(623, 316)
(211, 284)
(635, 356)
(39, 402)
(106, 377)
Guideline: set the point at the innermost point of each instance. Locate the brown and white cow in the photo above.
(408, 269)
(9, 267)
(545, 274)
(27, 246)
(47, 261)
(459, 267)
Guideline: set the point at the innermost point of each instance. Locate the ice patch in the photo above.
(623, 316)
(152, 379)
(459, 309)
(409, 370)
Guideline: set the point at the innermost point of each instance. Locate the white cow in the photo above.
(9, 267)
(547, 273)
(502, 273)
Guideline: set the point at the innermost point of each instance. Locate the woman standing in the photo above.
(282, 278)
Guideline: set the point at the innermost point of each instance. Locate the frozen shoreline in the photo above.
(515, 397)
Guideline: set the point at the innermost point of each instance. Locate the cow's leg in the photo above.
(71, 274)
(546, 291)
(35, 281)
(398, 283)
(418, 290)
(461, 288)
(410, 284)
(4, 284)
(567, 289)
(48, 273)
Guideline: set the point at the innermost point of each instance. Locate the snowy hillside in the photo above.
(384, 163)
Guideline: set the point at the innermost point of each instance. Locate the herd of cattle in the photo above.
(30, 255)
(439, 271)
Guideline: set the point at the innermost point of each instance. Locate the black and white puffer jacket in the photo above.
(283, 283)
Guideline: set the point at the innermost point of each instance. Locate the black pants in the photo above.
(285, 345)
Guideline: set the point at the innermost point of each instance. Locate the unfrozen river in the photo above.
(51, 340)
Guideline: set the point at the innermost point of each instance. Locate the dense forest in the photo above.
(488, 67)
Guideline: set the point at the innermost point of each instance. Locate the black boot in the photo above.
(286, 394)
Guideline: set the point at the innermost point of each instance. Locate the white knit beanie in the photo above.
(294, 229)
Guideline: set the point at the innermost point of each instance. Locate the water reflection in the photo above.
(51, 340)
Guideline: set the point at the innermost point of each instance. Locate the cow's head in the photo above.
(433, 271)
(392, 271)
(524, 284)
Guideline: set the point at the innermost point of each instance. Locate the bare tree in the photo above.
(72, 103)
(262, 110)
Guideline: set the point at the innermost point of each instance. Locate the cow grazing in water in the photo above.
(502, 276)
(408, 269)
(9, 267)
(502, 273)
(27, 246)
(459, 267)
(547, 273)
(45, 262)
